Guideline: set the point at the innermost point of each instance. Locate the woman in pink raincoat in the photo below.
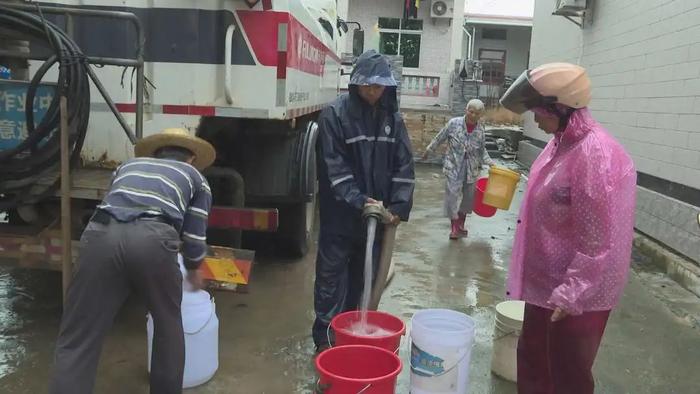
(574, 235)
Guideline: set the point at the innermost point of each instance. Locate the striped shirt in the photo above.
(158, 187)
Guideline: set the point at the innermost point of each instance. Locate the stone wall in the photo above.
(423, 125)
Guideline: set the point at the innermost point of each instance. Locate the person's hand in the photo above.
(559, 315)
(371, 201)
(194, 277)
(395, 220)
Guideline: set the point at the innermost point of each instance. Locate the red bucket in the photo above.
(480, 208)
(356, 369)
(342, 323)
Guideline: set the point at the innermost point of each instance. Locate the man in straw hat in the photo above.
(157, 207)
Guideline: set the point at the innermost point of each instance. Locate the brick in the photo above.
(659, 74)
(667, 121)
(625, 118)
(694, 141)
(689, 122)
(603, 104)
(678, 105)
(660, 152)
(668, 56)
(672, 138)
(687, 158)
(646, 165)
(689, 70)
(673, 172)
(688, 5)
(634, 104)
(646, 119)
(691, 177)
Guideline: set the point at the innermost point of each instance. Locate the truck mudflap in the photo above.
(225, 268)
(266, 220)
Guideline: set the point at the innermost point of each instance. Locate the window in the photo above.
(493, 66)
(401, 37)
(494, 34)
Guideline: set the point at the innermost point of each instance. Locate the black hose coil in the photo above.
(38, 155)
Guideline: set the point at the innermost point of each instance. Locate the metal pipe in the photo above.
(66, 238)
(140, 78)
(91, 12)
(110, 104)
(469, 44)
(228, 49)
(107, 61)
(82, 12)
(471, 53)
(140, 85)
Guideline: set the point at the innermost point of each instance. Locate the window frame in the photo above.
(494, 29)
(401, 31)
(501, 65)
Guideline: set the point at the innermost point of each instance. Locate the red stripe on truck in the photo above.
(281, 65)
(305, 52)
(130, 108)
(189, 110)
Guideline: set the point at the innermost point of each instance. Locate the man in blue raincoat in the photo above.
(364, 157)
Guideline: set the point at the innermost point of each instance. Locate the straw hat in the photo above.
(203, 151)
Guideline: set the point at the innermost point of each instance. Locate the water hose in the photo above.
(379, 214)
(38, 154)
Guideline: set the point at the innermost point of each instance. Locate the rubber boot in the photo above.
(462, 220)
(454, 233)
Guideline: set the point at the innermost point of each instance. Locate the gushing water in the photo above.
(367, 291)
(368, 330)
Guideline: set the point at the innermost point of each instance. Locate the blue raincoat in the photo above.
(363, 152)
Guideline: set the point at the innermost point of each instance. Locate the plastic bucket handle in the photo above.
(205, 323)
(328, 337)
(507, 334)
(321, 389)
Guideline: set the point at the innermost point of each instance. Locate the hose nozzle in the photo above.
(378, 212)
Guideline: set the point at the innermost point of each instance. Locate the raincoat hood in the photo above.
(372, 68)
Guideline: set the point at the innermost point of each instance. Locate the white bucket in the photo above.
(201, 328)
(509, 323)
(441, 345)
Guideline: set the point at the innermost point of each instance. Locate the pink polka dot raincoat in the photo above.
(574, 234)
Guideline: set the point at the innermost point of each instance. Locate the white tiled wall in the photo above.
(643, 57)
(435, 41)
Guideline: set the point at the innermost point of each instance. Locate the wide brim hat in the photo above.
(203, 151)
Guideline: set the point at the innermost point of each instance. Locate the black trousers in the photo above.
(339, 282)
(115, 259)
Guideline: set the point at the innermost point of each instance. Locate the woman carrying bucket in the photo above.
(465, 157)
(574, 235)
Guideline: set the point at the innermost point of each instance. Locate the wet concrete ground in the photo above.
(650, 346)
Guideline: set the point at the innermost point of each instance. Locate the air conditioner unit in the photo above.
(442, 9)
(566, 7)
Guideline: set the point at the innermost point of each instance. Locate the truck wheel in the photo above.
(296, 228)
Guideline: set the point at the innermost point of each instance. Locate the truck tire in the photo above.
(295, 234)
